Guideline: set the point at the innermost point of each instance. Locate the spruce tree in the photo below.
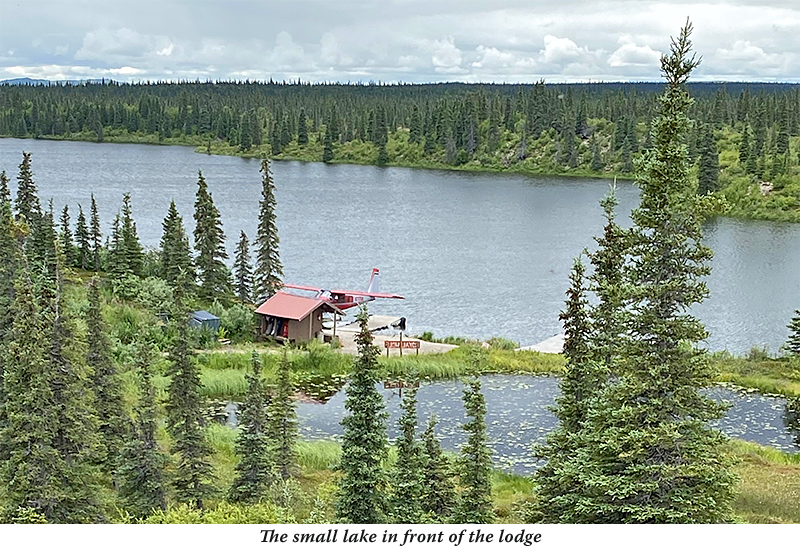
(438, 489)
(209, 241)
(242, 272)
(27, 202)
(269, 271)
(283, 423)
(140, 477)
(126, 254)
(83, 247)
(255, 471)
(648, 453)
(708, 173)
(362, 488)
(407, 479)
(744, 147)
(609, 316)
(109, 403)
(582, 378)
(793, 343)
(95, 236)
(65, 237)
(327, 150)
(597, 161)
(176, 255)
(185, 421)
(73, 396)
(475, 463)
(302, 131)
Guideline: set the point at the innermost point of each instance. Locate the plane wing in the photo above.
(370, 294)
(301, 287)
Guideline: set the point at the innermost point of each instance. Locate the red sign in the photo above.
(404, 344)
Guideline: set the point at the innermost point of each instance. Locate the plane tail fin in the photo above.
(374, 281)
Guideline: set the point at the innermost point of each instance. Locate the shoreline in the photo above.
(202, 148)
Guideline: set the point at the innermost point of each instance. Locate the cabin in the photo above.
(202, 319)
(292, 318)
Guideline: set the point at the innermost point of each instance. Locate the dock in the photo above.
(554, 344)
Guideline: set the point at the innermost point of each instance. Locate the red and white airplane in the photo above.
(344, 299)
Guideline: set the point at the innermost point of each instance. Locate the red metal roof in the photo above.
(292, 306)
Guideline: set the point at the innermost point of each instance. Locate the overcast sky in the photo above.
(393, 41)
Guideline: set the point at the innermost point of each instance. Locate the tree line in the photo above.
(593, 128)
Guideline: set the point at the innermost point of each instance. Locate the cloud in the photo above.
(408, 40)
(446, 57)
(561, 51)
(629, 53)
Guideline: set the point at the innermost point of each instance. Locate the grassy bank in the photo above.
(780, 376)
(768, 490)
(322, 371)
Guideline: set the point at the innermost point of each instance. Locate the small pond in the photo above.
(518, 416)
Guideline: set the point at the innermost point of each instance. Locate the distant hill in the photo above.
(25, 81)
(42, 82)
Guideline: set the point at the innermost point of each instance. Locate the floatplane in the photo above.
(344, 299)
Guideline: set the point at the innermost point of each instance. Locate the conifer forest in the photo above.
(113, 405)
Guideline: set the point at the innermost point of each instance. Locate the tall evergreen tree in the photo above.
(95, 236)
(327, 149)
(185, 421)
(406, 500)
(140, 477)
(302, 130)
(283, 423)
(475, 463)
(242, 271)
(65, 236)
(126, 254)
(255, 471)
(793, 343)
(83, 247)
(73, 397)
(597, 161)
(648, 453)
(109, 403)
(362, 489)
(708, 173)
(176, 255)
(27, 202)
(438, 490)
(269, 271)
(744, 147)
(209, 241)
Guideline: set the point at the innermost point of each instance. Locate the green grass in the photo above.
(759, 372)
(769, 486)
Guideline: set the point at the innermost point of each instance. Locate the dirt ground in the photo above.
(349, 345)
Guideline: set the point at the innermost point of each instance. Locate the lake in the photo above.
(477, 255)
(518, 416)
